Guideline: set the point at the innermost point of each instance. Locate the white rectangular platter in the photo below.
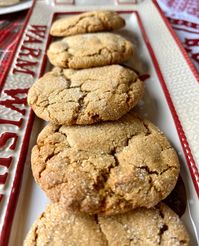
(171, 101)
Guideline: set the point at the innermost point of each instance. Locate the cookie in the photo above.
(4, 3)
(89, 22)
(106, 168)
(57, 227)
(141, 227)
(144, 227)
(89, 50)
(87, 96)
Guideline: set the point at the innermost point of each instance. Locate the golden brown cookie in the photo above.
(4, 3)
(95, 21)
(145, 227)
(140, 227)
(106, 168)
(57, 227)
(89, 50)
(67, 96)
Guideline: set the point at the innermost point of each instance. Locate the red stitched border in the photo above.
(19, 172)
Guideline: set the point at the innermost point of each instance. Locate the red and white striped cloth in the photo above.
(182, 14)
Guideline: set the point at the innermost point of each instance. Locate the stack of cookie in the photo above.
(105, 168)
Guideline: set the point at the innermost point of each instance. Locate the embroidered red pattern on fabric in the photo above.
(189, 6)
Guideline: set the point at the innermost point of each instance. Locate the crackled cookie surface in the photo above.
(88, 22)
(144, 227)
(67, 96)
(106, 168)
(89, 50)
(140, 227)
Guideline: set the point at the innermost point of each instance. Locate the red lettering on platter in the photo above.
(31, 39)
(6, 162)
(11, 103)
(38, 30)
(21, 67)
(17, 123)
(3, 178)
(1, 197)
(5, 137)
(26, 51)
(35, 34)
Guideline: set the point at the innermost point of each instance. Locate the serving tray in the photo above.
(171, 101)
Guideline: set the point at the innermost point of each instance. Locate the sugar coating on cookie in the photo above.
(144, 227)
(106, 168)
(89, 22)
(87, 96)
(57, 227)
(140, 227)
(89, 50)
